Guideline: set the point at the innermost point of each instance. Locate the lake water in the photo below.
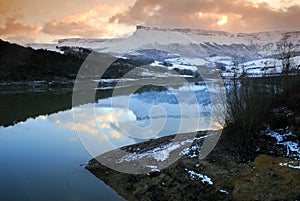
(42, 157)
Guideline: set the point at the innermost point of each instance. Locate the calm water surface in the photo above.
(42, 158)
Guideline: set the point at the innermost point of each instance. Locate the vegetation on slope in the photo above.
(19, 63)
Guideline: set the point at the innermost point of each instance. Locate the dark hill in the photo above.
(18, 63)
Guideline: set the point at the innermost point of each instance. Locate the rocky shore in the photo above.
(271, 172)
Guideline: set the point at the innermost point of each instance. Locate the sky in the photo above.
(46, 21)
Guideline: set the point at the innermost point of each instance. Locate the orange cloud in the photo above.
(12, 26)
(236, 16)
(82, 29)
(4, 7)
(46, 20)
(91, 23)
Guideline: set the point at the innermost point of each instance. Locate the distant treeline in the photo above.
(18, 63)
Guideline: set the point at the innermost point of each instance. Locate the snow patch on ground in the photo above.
(182, 63)
(224, 191)
(193, 151)
(291, 164)
(160, 153)
(255, 68)
(153, 168)
(293, 149)
(204, 178)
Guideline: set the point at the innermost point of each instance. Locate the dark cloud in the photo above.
(242, 16)
(64, 28)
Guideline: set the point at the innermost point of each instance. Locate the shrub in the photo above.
(248, 105)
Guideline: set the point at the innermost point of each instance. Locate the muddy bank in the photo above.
(220, 176)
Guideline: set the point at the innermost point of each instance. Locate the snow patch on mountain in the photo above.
(157, 38)
(255, 53)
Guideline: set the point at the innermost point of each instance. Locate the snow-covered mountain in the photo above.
(167, 39)
(189, 47)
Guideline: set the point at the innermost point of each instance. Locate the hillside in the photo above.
(254, 53)
(169, 39)
(18, 63)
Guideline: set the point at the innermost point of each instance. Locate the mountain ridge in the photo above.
(216, 48)
(153, 38)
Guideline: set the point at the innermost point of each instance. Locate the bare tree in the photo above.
(246, 107)
(284, 49)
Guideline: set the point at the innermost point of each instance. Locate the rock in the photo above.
(266, 178)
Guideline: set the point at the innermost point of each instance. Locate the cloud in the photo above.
(236, 16)
(93, 121)
(4, 7)
(93, 22)
(13, 26)
(79, 28)
(46, 21)
(50, 20)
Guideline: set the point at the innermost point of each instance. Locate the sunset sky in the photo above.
(27, 21)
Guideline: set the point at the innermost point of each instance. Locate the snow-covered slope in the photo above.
(169, 39)
(198, 47)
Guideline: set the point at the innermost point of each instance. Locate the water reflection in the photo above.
(40, 158)
(96, 125)
(122, 120)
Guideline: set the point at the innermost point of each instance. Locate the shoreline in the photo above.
(217, 177)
